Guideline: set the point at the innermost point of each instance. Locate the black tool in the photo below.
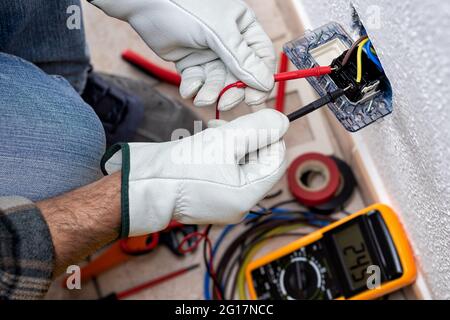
(313, 106)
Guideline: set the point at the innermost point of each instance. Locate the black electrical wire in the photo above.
(313, 106)
(273, 195)
(207, 262)
(260, 214)
(268, 211)
(297, 213)
(293, 211)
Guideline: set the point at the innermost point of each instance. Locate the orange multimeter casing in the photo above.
(333, 262)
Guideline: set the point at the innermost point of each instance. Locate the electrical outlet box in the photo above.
(366, 101)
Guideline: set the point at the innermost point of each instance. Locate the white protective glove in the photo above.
(212, 42)
(213, 177)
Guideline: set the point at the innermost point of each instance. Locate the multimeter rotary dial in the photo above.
(302, 279)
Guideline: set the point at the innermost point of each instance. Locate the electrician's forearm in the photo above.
(83, 220)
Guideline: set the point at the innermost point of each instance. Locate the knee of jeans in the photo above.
(52, 141)
(83, 135)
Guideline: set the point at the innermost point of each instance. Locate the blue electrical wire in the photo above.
(227, 229)
(371, 56)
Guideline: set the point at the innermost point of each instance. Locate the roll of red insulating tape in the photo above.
(317, 163)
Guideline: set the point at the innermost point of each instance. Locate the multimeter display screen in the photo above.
(354, 254)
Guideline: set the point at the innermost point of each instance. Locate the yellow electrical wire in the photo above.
(267, 236)
(359, 60)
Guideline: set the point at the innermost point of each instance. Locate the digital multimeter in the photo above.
(336, 262)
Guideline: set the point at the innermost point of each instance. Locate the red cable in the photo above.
(174, 78)
(238, 84)
(281, 90)
(200, 236)
(154, 282)
(285, 76)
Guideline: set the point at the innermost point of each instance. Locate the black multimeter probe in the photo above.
(313, 106)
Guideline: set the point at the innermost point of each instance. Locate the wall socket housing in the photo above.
(363, 104)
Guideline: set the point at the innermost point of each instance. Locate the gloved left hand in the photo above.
(213, 177)
(212, 42)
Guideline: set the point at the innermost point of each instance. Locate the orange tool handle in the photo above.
(120, 252)
(112, 257)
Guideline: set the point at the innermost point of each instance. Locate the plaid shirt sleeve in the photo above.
(26, 250)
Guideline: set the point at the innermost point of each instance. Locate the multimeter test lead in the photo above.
(173, 78)
(313, 106)
(293, 75)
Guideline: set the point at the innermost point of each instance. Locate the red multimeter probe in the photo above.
(280, 77)
(175, 79)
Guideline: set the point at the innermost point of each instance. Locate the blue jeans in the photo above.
(51, 141)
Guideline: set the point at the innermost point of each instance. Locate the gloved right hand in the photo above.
(214, 177)
(212, 42)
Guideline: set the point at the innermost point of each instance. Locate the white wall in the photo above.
(411, 148)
